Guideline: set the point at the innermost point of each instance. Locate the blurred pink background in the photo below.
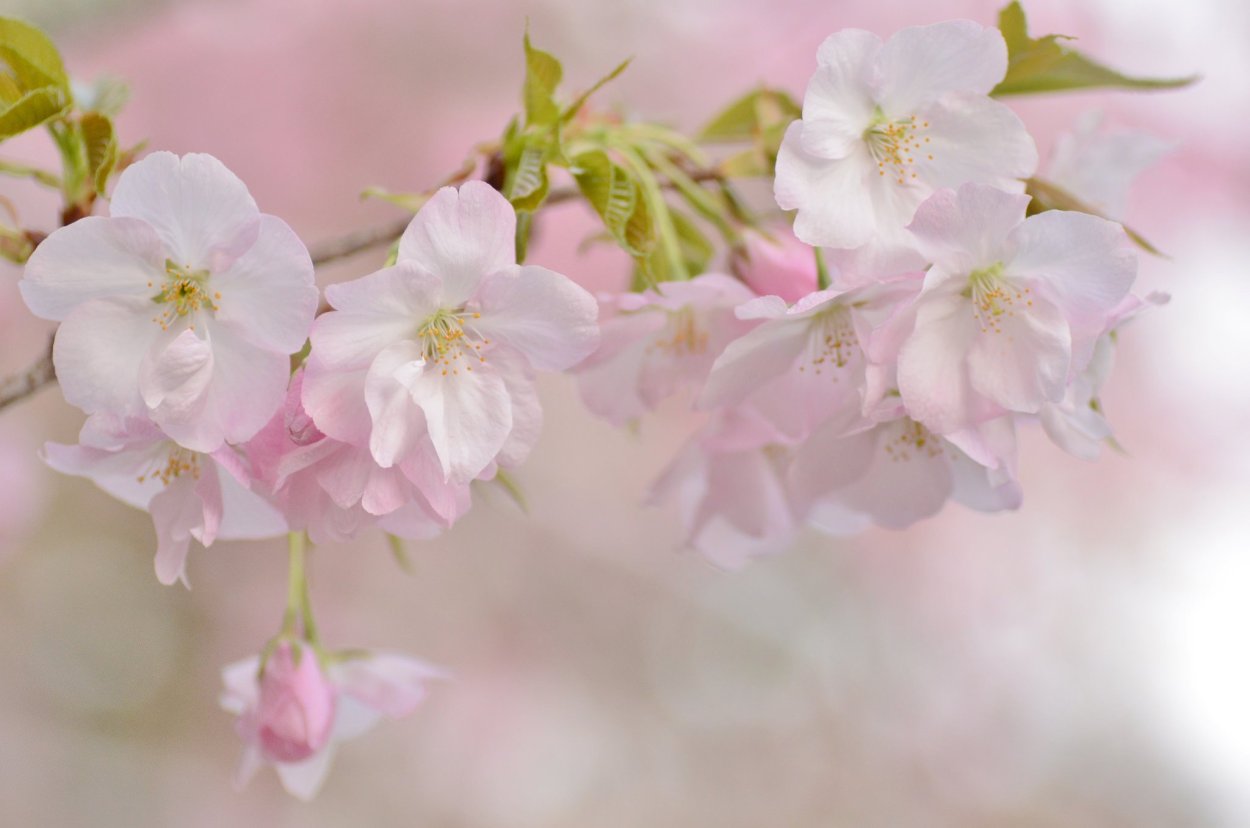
(1080, 663)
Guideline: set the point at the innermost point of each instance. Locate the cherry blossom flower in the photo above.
(183, 305)
(1097, 165)
(898, 472)
(658, 341)
(885, 125)
(440, 349)
(189, 494)
(334, 490)
(361, 689)
(729, 484)
(811, 361)
(1006, 305)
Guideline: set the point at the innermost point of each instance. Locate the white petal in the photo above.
(98, 350)
(469, 417)
(302, 780)
(201, 210)
(406, 289)
(974, 138)
(92, 258)
(527, 414)
(909, 479)
(540, 313)
(175, 374)
(267, 295)
(921, 63)
(961, 231)
(461, 236)
(833, 202)
(753, 359)
(175, 512)
(1022, 361)
(932, 364)
(838, 104)
(1086, 262)
(398, 424)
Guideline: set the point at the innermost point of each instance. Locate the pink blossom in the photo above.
(778, 264)
(1006, 304)
(189, 494)
(440, 349)
(659, 341)
(334, 490)
(886, 125)
(295, 711)
(898, 472)
(348, 698)
(1098, 165)
(183, 305)
(812, 361)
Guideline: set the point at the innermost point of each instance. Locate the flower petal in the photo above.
(389, 683)
(98, 351)
(176, 511)
(838, 104)
(92, 258)
(834, 206)
(974, 138)
(1022, 362)
(201, 210)
(461, 236)
(540, 313)
(921, 63)
(469, 417)
(752, 359)
(932, 364)
(267, 294)
(961, 231)
(398, 424)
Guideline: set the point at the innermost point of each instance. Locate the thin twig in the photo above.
(20, 386)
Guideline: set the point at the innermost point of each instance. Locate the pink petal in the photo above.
(1022, 362)
(461, 236)
(921, 63)
(98, 352)
(469, 417)
(540, 313)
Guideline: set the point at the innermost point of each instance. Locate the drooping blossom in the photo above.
(294, 712)
(657, 341)
(183, 305)
(440, 349)
(189, 494)
(1097, 165)
(1007, 303)
(360, 689)
(886, 125)
(729, 483)
(811, 361)
(1077, 423)
(334, 490)
(898, 472)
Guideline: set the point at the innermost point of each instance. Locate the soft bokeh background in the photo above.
(1080, 663)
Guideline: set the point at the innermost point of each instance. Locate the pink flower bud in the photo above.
(296, 711)
(785, 267)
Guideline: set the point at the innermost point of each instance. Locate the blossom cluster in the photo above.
(874, 386)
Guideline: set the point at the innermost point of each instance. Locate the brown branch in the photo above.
(41, 373)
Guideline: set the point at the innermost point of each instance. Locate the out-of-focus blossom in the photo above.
(359, 690)
(1098, 165)
(777, 265)
(886, 125)
(898, 472)
(334, 490)
(295, 710)
(659, 341)
(1006, 305)
(808, 362)
(189, 494)
(440, 348)
(183, 305)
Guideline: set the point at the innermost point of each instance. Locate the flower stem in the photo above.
(298, 606)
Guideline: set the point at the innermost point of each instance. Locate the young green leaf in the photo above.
(32, 109)
(101, 143)
(31, 59)
(542, 75)
(753, 113)
(572, 109)
(1044, 64)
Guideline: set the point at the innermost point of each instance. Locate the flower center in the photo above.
(896, 144)
(994, 297)
(683, 337)
(184, 292)
(832, 342)
(180, 461)
(444, 342)
(912, 440)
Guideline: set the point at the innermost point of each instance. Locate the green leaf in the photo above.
(526, 183)
(617, 199)
(32, 109)
(542, 75)
(31, 58)
(1044, 64)
(399, 552)
(572, 109)
(101, 142)
(1048, 196)
(408, 201)
(751, 115)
